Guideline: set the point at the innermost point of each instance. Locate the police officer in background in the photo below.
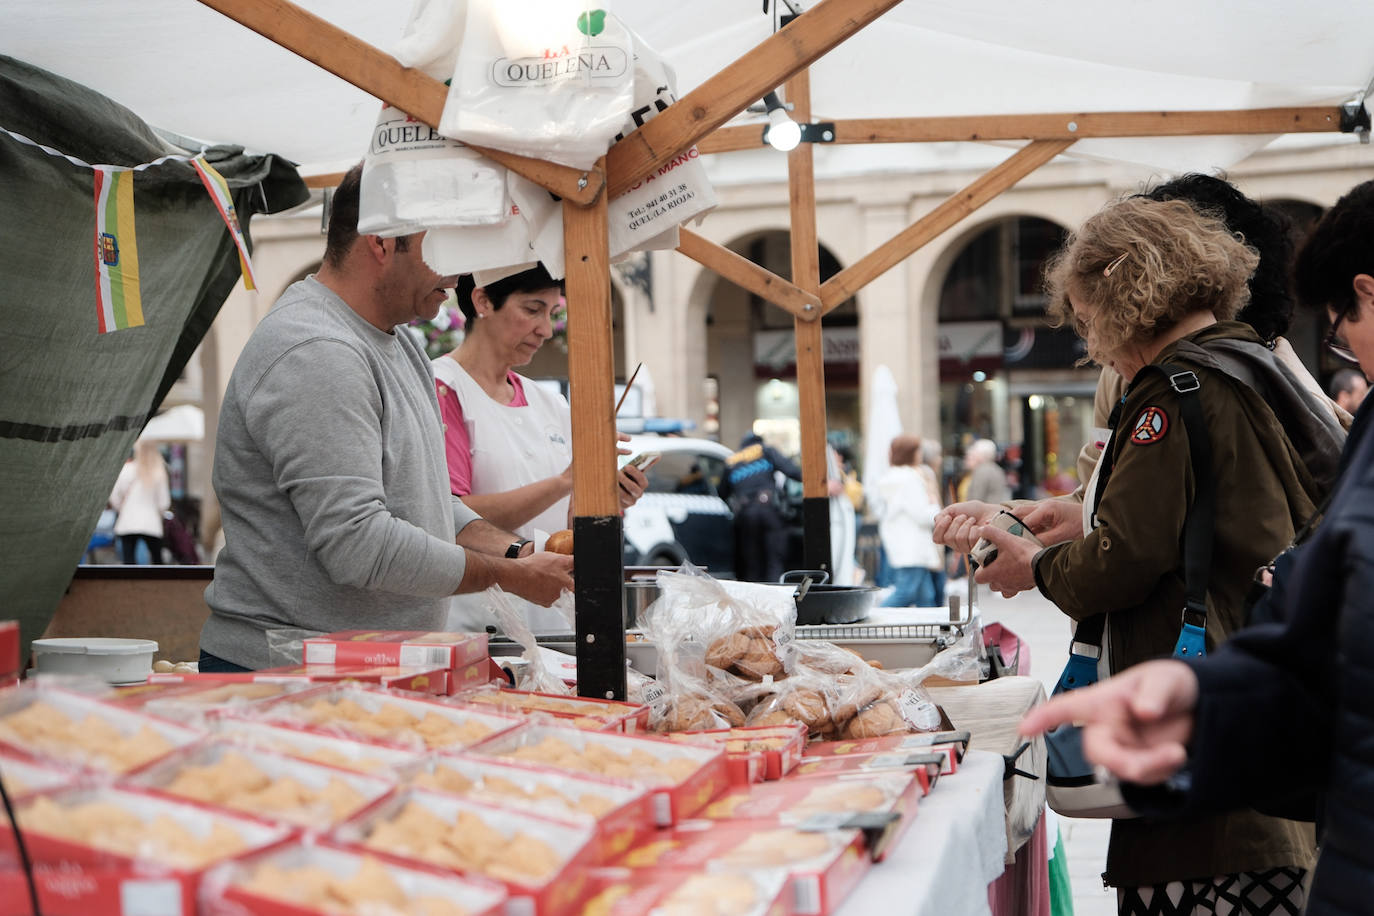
(749, 485)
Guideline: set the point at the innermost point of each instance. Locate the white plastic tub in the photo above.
(117, 661)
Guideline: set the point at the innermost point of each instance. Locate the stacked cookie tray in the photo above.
(291, 799)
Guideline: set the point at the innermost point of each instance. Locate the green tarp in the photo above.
(72, 400)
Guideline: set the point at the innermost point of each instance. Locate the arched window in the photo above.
(997, 275)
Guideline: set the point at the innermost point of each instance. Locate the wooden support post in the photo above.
(597, 528)
(741, 271)
(739, 85)
(378, 73)
(806, 274)
(1030, 157)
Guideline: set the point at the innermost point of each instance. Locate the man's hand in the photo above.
(1011, 572)
(540, 578)
(1054, 521)
(957, 525)
(1136, 724)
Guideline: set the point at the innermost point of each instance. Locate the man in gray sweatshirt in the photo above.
(330, 468)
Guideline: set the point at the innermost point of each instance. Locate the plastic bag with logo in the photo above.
(550, 79)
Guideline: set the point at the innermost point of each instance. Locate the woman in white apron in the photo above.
(509, 439)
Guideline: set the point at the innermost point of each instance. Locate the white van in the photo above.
(681, 517)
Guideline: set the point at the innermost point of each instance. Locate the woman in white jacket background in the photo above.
(906, 520)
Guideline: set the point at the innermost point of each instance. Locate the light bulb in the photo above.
(783, 133)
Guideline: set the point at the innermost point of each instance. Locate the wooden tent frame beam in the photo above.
(379, 74)
(1073, 126)
(739, 270)
(737, 86)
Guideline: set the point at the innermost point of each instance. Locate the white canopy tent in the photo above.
(188, 70)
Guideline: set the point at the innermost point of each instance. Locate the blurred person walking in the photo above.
(905, 522)
(142, 492)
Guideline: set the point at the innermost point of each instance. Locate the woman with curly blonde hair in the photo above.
(1156, 284)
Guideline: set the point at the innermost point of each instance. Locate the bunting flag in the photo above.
(118, 304)
(224, 202)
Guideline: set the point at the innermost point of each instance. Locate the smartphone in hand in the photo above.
(643, 460)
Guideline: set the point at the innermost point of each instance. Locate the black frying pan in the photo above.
(820, 602)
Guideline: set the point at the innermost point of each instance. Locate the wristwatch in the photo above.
(514, 549)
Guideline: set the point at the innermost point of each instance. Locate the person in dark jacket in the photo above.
(1151, 287)
(1202, 735)
(760, 533)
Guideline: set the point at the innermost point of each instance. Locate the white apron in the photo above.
(512, 447)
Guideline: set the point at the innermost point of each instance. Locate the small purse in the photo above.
(1073, 786)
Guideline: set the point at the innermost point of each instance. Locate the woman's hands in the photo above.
(959, 525)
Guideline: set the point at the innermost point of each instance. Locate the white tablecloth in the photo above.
(953, 850)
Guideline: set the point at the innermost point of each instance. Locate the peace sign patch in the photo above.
(1150, 426)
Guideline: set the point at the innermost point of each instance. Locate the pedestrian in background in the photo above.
(142, 492)
(987, 482)
(1348, 388)
(749, 486)
(905, 524)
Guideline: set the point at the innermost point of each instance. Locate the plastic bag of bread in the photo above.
(805, 699)
(875, 703)
(535, 676)
(746, 628)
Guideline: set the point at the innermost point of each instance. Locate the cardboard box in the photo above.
(643, 892)
(396, 647)
(582, 712)
(780, 746)
(67, 716)
(619, 814)
(823, 867)
(9, 650)
(328, 750)
(315, 780)
(67, 889)
(682, 777)
(430, 680)
(924, 764)
(169, 889)
(952, 743)
(25, 775)
(883, 802)
(380, 716)
(227, 890)
(559, 891)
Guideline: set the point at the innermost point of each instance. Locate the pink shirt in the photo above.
(457, 446)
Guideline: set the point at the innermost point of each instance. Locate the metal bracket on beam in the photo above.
(822, 132)
(1355, 119)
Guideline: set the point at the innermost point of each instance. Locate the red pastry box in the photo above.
(396, 647)
(201, 701)
(642, 892)
(323, 880)
(168, 844)
(682, 777)
(344, 753)
(952, 744)
(823, 866)
(378, 715)
(84, 730)
(779, 746)
(92, 890)
(417, 679)
(619, 814)
(540, 861)
(851, 799)
(924, 765)
(9, 650)
(581, 712)
(25, 775)
(262, 783)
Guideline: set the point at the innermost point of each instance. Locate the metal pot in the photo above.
(818, 602)
(641, 590)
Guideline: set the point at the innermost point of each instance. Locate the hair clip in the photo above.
(1116, 262)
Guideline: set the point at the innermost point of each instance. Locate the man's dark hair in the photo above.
(527, 281)
(343, 217)
(1264, 229)
(1340, 248)
(1343, 382)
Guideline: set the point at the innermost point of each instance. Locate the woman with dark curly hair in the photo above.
(1152, 288)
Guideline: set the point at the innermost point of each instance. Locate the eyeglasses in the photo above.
(1336, 344)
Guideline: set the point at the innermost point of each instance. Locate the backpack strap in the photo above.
(1198, 525)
